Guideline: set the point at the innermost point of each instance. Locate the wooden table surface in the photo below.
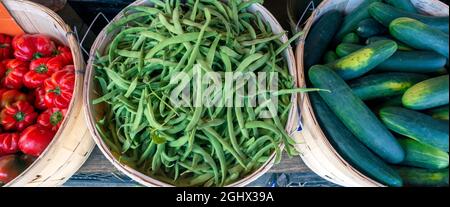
(99, 172)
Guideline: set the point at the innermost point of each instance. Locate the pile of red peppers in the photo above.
(37, 79)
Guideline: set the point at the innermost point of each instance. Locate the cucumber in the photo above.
(320, 36)
(419, 35)
(365, 59)
(427, 94)
(440, 113)
(345, 49)
(393, 101)
(350, 148)
(423, 155)
(351, 38)
(414, 62)
(330, 57)
(351, 20)
(401, 46)
(385, 14)
(417, 126)
(384, 84)
(405, 5)
(417, 177)
(370, 27)
(355, 115)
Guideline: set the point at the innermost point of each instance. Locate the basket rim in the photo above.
(79, 79)
(305, 102)
(141, 178)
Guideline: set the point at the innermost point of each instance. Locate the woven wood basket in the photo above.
(92, 112)
(316, 151)
(72, 144)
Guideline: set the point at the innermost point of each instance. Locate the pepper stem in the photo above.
(55, 118)
(41, 69)
(19, 116)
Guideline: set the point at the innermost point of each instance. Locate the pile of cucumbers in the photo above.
(386, 65)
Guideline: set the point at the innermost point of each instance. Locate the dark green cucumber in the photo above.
(417, 177)
(345, 49)
(405, 5)
(440, 113)
(330, 57)
(414, 62)
(351, 20)
(423, 155)
(365, 59)
(401, 46)
(385, 14)
(419, 35)
(370, 27)
(352, 38)
(428, 94)
(320, 36)
(384, 84)
(355, 115)
(417, 126)
(350, 148)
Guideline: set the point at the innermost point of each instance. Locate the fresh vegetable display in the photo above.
(37, 80)
(191, 145)
(387, 73)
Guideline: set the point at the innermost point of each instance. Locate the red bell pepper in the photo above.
(39, 98)
(2, 69)
(5, 47)
(28, 47)
(41, 69)
(9, 143)
(18, 116)
(65, 53)
(15, 70)
(34, 139)
(8, 97)
(52, 118)
(11, 166)
(59, 89)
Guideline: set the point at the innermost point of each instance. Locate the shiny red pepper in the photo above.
(9, 143)
(59, 89)
(28, 47)
(11, 166)
(8, 97)
(39, 98)
(18, 116)
(34, 139)
(5, 47)
(2, 69)
(52, 118)
(65, 53)
(41, 69)
(15, 70)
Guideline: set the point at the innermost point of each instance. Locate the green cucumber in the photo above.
(428, 94)
(405, 5)
(365, 59)
(355, 115)
(385, 14)
(345, 49)
(401, 46)
(423, 155)
(414, 62)
(320, 36)
(384, 84)
(351, 20)
(350, 148)
(352, 38)
(419, 35)
(440, 113)
(330, 57)
(417, 177)
(417, 126)
(370, 27)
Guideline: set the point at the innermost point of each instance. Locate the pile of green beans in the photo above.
(190, 146)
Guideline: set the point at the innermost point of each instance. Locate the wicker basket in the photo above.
(317, 152)
(91, 112)
(72, 144)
